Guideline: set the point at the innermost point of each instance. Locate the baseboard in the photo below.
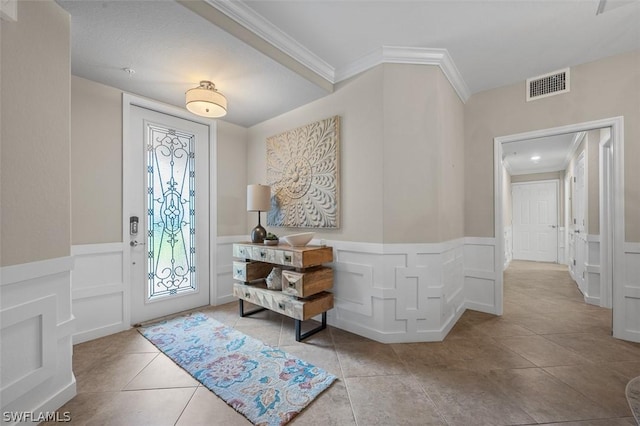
(480, 307)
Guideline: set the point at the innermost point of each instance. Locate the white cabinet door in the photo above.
(535, 221)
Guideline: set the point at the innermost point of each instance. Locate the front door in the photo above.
(535, 221)
(169, 213)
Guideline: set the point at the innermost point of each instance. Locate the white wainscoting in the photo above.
(100, 297)
(508, 246)
(397, 292)
(592, 270)
(36, 325)
(222, 291)
(631, 292)
(571, 260)
(480, 283)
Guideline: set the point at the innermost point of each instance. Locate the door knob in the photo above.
(553, 226)
(135, 243)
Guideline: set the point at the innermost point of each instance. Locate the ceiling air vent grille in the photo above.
(550, 84)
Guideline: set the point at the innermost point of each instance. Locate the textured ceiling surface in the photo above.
(492, 43)
(171, 49)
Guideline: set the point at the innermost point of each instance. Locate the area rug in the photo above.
(265, 384)
(632, 392)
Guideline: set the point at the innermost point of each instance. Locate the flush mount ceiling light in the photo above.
(206, 101)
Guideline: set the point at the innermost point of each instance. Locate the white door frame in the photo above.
(132, 100)
(615, 226)
(607, 200)
(557, 229)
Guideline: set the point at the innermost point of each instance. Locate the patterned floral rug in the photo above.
(265, 384)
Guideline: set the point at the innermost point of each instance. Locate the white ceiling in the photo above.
(491, 42)
(554, 153)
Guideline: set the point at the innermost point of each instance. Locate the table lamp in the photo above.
(258, 200)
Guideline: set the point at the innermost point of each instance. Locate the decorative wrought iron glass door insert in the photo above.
(171, 244)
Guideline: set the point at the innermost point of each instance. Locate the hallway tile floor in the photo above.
(549, 359)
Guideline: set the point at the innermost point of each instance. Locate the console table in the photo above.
(304, 281)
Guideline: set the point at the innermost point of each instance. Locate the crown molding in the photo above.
(245, 16)
(408, 55)
(256, 23)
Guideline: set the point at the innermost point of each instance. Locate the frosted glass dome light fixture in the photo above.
(206, 101)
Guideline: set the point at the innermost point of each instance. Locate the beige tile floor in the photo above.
(549, 359)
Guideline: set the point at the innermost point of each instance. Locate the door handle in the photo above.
(553, 226)
(135, 243)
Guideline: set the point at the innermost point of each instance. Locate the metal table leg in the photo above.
(300, 335)
(246, 314)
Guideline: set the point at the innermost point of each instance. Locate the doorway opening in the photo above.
(611, 209)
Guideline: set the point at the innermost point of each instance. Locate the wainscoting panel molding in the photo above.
(100, 297)
(631, 291)
(592, 270)
(222, 290)
(480, 284)
(396, 293)
(36, 325)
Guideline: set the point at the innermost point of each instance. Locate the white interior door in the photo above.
(535, 221)
(169, 195)
(579, 235)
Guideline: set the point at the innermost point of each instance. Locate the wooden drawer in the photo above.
(298, 257)
(304, 284)
(250, 271)
(300, 309)
(242, 251)
(260, 254)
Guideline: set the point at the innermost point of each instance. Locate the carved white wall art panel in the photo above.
(302, 170)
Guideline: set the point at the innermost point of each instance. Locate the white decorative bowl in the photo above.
(298, 240)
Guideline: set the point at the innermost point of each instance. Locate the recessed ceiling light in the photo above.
(535, 158)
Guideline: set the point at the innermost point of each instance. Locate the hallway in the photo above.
(549, 359)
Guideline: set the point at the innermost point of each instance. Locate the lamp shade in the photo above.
(206, 101)
(258, 198)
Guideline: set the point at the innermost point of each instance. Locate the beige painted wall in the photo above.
(96, 162)
(96, 167)
(411, 160)
(601, 89)
(358, 102)
(231, 175)
(451, 165)
(401, 152)
(35, 223)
